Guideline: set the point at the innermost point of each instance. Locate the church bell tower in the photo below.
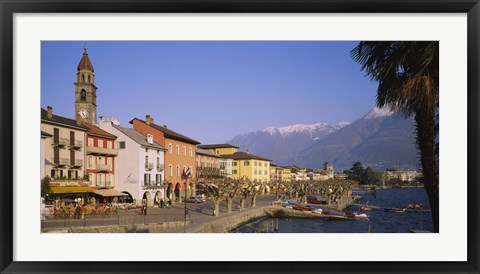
(85, 91)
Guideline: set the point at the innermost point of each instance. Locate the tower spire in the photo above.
(85, 47)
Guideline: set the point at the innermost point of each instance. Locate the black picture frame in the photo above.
(9, 8)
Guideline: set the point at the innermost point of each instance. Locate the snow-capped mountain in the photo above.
(311, 129)
(379, 139)
(281, 143)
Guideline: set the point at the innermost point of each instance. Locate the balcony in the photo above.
(61, 142)
(76, 163)
(76, 144)
(148, 166)
(160, 167)
(101, 151)
(103, 168)
(60, 161)
(152, 185)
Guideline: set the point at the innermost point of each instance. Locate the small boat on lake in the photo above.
(315, 209)
(394, 209)
(332, 212)
(301, 208)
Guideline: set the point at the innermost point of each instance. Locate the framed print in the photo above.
(239, 136)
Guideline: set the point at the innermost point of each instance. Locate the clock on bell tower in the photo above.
(85, 91)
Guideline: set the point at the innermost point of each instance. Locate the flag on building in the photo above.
(186, 174)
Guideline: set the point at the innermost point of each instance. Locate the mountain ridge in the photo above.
(367, 140)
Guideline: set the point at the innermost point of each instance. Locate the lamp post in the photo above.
(185, 219)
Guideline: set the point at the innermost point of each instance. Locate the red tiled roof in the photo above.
(85, 62)
(169, 133)
(94, 130)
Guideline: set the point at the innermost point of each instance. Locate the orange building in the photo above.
(179, 155)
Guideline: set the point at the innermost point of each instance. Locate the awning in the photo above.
(71, 189)
(109, 193)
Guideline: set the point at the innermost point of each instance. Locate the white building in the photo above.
(139, 168)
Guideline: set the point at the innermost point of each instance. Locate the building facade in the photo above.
(64, 156)
(101, 153)
(207, 163)
(179, 156)
(139, 168)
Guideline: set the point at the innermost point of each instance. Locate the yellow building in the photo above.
(286, 171)
(249, 166)
(244, 164)
(220, 149)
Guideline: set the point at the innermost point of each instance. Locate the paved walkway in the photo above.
(198, 214)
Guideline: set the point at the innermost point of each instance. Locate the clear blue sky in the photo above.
(212, 91)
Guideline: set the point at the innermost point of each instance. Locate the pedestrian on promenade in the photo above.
(145, 210)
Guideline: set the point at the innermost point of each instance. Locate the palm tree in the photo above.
(408, 77)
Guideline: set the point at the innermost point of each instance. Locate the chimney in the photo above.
(248, 151)
(49, 112)
(165, 126)
(148, 120)
(101, 119)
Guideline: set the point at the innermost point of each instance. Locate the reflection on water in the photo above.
(379, 221)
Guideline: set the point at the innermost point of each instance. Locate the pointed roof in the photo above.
(60, 120)
(169, 133)
(94, 130)
(137, 137)
(85, 61)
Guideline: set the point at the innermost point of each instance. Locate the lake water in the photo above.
(379, 221)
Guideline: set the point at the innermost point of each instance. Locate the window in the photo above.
(158, 178)
(146, 160)
(178, 150)
(178, 171)
(121, 145)
(246, 163)
(170, 170)
(185, 151)
(146, 150)
(146, 179)
(234, 172)
(255, 172)
(99, 179)
(265, 172)
(90, 142)
(170, 148)
(109, 162)
(83, 95)
(90, 164)
(100, 143)
(265, 164)
(234, 164)
(191, 152)
(255, 163)
(109, 144)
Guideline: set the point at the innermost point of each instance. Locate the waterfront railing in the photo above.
(68, 221)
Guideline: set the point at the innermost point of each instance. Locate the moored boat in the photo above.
(394, 209)
(301, 208)
(332, 212)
